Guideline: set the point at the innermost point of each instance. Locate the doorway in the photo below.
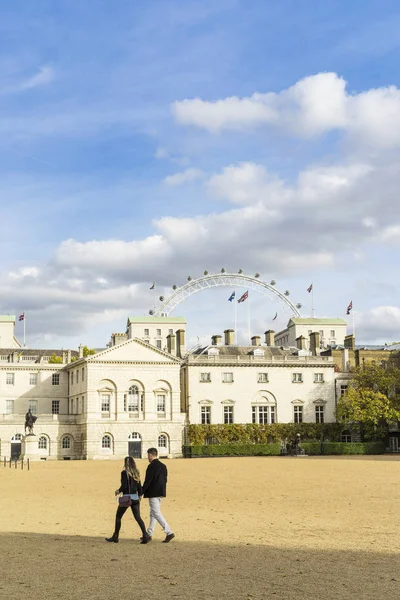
(135, 445)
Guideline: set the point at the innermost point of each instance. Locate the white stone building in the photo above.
(257, 384)
(331, 332)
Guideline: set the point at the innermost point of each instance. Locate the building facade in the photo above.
(332, 332)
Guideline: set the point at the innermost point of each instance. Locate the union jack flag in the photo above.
(244, 297)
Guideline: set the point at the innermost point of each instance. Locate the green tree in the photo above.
(371, 400)
(88, 351)
(55, 360)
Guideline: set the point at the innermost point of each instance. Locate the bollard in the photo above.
(28, 464)
(16, 463)
(22, 464)
(10, 462)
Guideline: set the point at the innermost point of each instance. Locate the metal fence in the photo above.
(16, 462)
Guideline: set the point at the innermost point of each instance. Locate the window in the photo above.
(9, 407)
(55, 379)
(319, 414)
(32, 406)
(262, 378)
(55, 407)
(42, 443)
(106, 441)
(83, 403)
(158, 344)
(318, 378)
(158, 332)
(161, 403)
(171, 331)
(83, 375)
(17, 437)
(147, 332)
(32, 378)
(260, 414)
(205, 377)
(72, 378)
(10, 377)
(66, 442)
(321, 333)
(227, 377)
(162, 441)
(298, 414)
(133, 399)
(205, 415)
(77, 376)
(297, 378)
(228, 415)
(343, 388)
(105, 403)
(346, 437)
(332, 333)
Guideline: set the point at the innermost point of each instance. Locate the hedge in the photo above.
(310, 448)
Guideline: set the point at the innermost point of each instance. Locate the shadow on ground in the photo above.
(41, 567)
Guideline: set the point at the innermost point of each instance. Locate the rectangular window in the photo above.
(205, 377)
(133, 402)
(161, 403)
(262, 378)
(147, 332)
(228, 415)
(318, 378)
(343, 389)
(298, 414)
(32, 378)
(83, 374)
(321, 334)
(72, 378)
(297, 378)
(33, 406)
(55, 407)
(346, 438)
(77, 376)
(319, 414)
(9, 407)
(227, 377)
(263, 414)
(171, 331)
(158, 344)
(83, 403)
(158, 332)
(10, 378)
(332, 333)
(205, 415)
(105, 403)
(55, 379)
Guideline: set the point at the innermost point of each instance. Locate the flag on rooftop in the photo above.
(309, 289)
(276, 314)
(231, 297)
(21, 317)
(244, 297)
(153, 286)
(349, 308)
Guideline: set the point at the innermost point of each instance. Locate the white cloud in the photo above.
(43, 77)
(380, 324)
(314, 105)
(183, 177)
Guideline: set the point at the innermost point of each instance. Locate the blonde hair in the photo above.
(131, 468)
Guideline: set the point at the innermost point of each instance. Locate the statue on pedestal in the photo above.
(30, 420)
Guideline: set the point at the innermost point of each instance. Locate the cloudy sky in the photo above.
(151, 140)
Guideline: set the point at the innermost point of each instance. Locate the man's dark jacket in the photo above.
(155, 483)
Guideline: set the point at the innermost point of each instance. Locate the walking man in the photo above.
(155, 488)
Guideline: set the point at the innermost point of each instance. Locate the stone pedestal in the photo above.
(30, 447)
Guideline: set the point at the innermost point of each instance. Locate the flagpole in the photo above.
(312, 300)
(235, 320)
(354, 326)
(248, 318)
(24, 328)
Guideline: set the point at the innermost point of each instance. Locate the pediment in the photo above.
(134, 350)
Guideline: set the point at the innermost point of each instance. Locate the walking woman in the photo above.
(130, 485)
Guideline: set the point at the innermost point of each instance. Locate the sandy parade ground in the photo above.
(249, 528)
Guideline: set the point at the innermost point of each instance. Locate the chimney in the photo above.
(216, 340)
(180, 343)
(64, 357)
(301, 342)
(255, 340)
(14, 356)
(345, 360)
(171, 343)
(270, 337)
(68, 356)
(314, 343)
(229, 337)
(350, 342)
(80, 348)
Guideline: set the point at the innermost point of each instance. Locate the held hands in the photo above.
(116, 492)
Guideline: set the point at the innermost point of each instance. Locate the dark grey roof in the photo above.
(269, 351)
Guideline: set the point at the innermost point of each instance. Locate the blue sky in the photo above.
(153, 140)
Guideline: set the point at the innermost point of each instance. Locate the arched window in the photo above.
(134, 436)
(17, 437)
(66, 442)
(106, 441)
(42, 443)
(133, 399)
(162, 441)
